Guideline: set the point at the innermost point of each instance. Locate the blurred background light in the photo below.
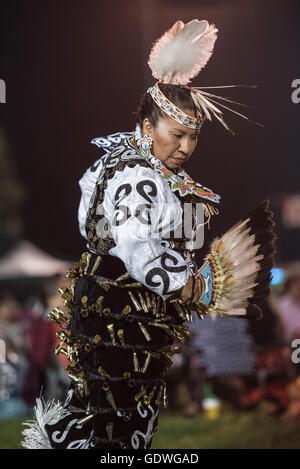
(277, 276)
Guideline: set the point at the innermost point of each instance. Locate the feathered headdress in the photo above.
(176, 58)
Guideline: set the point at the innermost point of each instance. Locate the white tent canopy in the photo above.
(27, 260)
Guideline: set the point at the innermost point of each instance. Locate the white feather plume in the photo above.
(182, 51)
(35, 437)
(179, 55)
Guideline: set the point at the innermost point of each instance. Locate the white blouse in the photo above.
(141, 209)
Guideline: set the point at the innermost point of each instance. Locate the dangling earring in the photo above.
(146, 144)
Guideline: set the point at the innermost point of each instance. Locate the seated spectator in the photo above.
(13, 365)
(289, 308)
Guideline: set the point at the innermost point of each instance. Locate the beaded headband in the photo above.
(172, 110)
(177, 57)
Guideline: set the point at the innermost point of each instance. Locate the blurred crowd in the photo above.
(30, 368)
(275, 379)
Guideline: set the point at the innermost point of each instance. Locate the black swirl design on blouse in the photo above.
(96, 244)
(162, 273)
(140, 210)
(140, 187)
(94, 166)
(124, 209)
(157, 271)
(127, 189)
(175, 261)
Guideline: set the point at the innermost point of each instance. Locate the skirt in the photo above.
(118, 336)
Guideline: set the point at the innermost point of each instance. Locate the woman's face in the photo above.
(173, 143)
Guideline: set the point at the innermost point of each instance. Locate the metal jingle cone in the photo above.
(110, 398)
(143, 302)
(158, 305)
(109, 430)
(96, 265)
(135, 362)
(154, 309)
(165, 398)
(144, 331)
(125, 311)
(148, 301)
(147, 362)
(99, 306)
(150, 396)
(134, 301)
(123, 277)
(85, 419)
(87, 262)
(120, 334)
(111, 331)
(159, 395)
(139, 394)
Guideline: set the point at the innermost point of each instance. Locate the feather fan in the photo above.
(240, 262)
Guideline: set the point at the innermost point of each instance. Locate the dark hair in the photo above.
(177, 94)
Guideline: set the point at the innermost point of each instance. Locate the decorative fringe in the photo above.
(204, 105)
(35, 437)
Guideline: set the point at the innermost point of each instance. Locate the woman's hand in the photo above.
(187, 294)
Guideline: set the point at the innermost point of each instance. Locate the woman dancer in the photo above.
(137, 284)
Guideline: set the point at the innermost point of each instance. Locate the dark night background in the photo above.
(75, 70)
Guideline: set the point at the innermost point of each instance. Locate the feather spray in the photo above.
(180, 54)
